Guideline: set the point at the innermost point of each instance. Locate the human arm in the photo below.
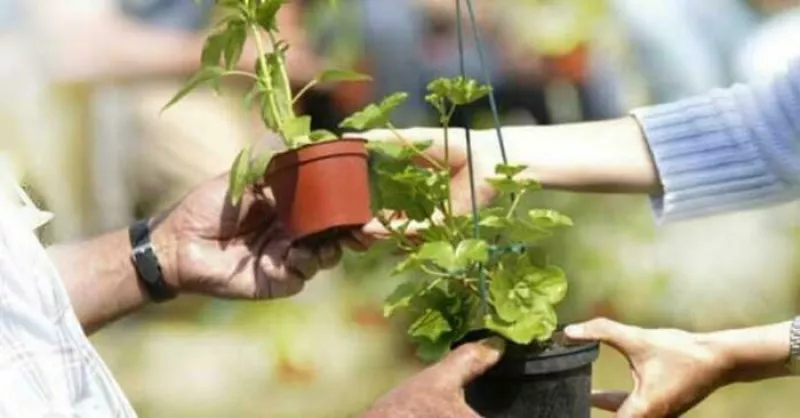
(204, 245)
(104, 43)
(728, 150)
(675, 370)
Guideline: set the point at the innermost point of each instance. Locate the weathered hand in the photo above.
(209, 246)
(672, 370)
(438, 391)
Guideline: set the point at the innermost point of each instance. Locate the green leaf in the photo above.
(321, 135)
(267, 12)
(509, 170)
(536, 325)
(259, 166)
(431, 325)
(471, 251)
(400, 298)
(512, 186)
(297, 129)
(440, 253)
(458, 90)
(212, 50)
(236, 36)
(399, 150)
(205, 75)
(545, 218)
(549, 283)
(374, 116)
(333, 76)
(239, 176)
(432, 351)
(497, 222)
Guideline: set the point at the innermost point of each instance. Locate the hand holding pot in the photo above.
(208, 246)
(672, 370)
(438, 391)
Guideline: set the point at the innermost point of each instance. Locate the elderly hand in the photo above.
(438, 391)
(209, 246)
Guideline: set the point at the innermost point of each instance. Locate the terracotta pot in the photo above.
(321, 190)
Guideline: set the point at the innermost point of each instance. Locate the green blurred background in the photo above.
(84, 83)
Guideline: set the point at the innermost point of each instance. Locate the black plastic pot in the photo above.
(535, 381)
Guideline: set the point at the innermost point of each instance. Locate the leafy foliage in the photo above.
(252, 20)
(447, 261)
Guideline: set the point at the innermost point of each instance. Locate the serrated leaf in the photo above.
(430, 325)
(458, 90)
(471, 251)
(297, 128)
(440, 253)
(374, 116)
(400, 298)
(267, 13)
(545, 218)
(513, 186)
(205, 75)
(234, 45)
(321, 135)
(334, 76)
(239, 176)
(393, 101)
(509, 170)
(212, 49)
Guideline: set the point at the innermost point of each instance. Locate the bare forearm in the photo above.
(753, 354)
(608, 156)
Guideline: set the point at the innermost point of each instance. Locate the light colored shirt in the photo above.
(48, 367)
(728, 150)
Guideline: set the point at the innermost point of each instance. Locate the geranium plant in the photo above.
(466, 273)
(305, 182)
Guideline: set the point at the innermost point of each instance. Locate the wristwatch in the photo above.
(794, 347)
(148, 267)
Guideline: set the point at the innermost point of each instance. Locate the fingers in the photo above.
(623, 338)
(329, 255)
(302, 262)
(610, 401)
(469, 361)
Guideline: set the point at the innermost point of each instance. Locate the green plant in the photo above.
(270, 84)
(466, 273)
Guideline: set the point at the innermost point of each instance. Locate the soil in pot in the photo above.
(551, 380)
(321, 190)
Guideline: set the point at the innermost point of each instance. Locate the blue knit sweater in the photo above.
(729, 150)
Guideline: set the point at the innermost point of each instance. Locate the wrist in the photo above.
(164, 244)
(752, 354)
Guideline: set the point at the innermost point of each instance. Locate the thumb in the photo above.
(623, 338)
(469, 361)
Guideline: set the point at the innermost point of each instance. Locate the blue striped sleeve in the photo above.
(732, 149)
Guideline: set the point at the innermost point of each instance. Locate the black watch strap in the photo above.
(148, 268)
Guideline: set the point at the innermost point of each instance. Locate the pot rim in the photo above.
(279, 163)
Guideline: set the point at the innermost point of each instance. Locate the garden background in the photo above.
(83, 83)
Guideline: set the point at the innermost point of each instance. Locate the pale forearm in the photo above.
(608, 156)
(753, 354)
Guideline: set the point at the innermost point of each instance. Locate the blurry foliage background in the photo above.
(98, 154)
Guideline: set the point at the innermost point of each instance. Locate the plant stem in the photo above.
(270, 92)
(514, 205)
(243, 74)
(411, 145)
(446, 126)
(284, 75)
(304, 90)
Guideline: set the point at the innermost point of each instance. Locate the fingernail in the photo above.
(495, 343)
(574, 331)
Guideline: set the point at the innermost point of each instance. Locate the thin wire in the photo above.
(488, 78)
(475, 216)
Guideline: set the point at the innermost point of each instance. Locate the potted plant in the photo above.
(481, 274)
(321, 183)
